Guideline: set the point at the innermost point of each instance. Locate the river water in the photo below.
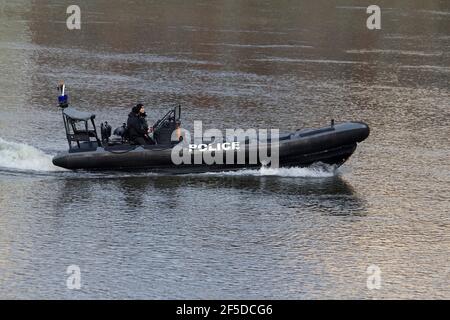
(281, 234)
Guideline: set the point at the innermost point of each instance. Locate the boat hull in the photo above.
(331, 145)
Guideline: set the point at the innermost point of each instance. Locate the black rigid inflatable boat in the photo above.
(331, 145)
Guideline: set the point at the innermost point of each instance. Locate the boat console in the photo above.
(81, 131)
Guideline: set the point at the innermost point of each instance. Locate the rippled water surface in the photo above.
(286, 233)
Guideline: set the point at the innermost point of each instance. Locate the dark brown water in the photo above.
(294, 233)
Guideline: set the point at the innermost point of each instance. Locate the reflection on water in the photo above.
(330, 195)
(159, 223)
(232, 64)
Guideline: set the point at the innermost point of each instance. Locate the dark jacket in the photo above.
(135, 127)
(144, 123)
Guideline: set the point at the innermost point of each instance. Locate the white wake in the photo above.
(321, 171)
(19, 156)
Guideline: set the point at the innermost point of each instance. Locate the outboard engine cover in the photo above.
(121, 132)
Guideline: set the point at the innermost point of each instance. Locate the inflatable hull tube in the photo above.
(331, 145)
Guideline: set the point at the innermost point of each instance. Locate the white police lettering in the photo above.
(237, 146)
(215, 147)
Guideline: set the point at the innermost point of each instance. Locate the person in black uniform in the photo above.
(137, 126)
